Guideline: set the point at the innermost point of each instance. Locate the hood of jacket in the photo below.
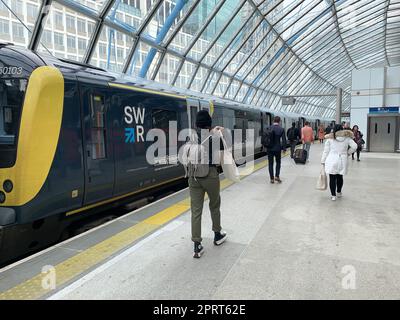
(341, 135)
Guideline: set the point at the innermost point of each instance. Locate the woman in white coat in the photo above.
(339, 146)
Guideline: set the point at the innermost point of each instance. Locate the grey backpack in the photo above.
(195, 159)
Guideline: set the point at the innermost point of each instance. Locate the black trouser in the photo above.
(358, 153)
(271, 155)
(335, 181)
(293, 144)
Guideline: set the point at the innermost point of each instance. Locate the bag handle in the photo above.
(223, 140)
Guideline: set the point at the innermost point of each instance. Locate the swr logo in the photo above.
(134, 134)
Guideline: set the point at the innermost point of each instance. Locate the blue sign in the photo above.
(129, 135)
(384, 110)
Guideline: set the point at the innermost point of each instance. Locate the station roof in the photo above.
(249, 51)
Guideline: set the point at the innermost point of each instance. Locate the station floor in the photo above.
(285, 241)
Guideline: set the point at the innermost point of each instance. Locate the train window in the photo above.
(388, 128)
(376, 127)
(161, 119)
(193, 115)
(98, 129)
(12, 93)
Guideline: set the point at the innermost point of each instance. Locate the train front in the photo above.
(29, 97)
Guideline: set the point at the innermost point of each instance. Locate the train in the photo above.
(71, 142)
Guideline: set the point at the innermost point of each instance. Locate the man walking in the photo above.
(307, 136)
(274, 139)
(293, 135)
(329, 128)
(209, 184)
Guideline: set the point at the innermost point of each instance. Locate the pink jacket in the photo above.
(307, 134)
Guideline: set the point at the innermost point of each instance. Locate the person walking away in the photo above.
(307, 136)
(274, 139)
(321, 133)
(209, 184)
(329, 128)
(358, 140)
(339, 146)
(293, 135)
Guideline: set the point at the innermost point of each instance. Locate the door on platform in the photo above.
(382, 134)
(193, 106)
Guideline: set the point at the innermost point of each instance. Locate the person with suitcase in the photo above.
(274, 140)
(293, 135)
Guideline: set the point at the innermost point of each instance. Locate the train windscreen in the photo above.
(12, 92)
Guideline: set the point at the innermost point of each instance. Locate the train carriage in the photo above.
(74, 138)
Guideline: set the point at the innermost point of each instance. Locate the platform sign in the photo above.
(288, 101)
(384, 110)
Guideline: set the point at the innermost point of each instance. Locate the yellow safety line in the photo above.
(83, 261)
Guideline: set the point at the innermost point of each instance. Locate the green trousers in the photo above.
(198, 188)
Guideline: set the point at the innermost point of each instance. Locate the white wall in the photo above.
(367, 92)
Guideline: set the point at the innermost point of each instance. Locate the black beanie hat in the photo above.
(203, 119)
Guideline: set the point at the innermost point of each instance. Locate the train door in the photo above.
(193, 106)
(268, 118)
(382, 134)
(99, 158)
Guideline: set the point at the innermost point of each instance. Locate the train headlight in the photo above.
(8, 186)
(2, 197)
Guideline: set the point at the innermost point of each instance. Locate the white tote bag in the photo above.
(322, 182)
(228, 164)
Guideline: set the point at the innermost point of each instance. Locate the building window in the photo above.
(16, 7)
(102, 50)
(47, 38)
(71, 43)
(120, 54)
(32, 12)
(18, 32)
(90, 26)
(70, 23)
(4, 28)
(58, 20)
(81, 26)
(81, 45)
(59, 41)
(3, 9)
(98, 131)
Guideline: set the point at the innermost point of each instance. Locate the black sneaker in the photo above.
(219, 237)
(198, 250)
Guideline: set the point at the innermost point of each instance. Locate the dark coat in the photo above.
(296, 133)
(279, 143)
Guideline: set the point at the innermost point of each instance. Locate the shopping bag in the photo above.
(228, 164)
(322, 183)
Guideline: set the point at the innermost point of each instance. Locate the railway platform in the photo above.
(285, 241)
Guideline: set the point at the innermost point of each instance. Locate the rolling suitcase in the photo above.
(300, 156)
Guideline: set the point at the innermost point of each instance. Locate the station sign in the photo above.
(384, 110)
(288, 100)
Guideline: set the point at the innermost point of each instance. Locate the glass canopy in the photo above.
(248, 51)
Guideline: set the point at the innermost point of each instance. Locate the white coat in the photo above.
(337, 151)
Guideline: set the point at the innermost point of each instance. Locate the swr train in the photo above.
(72, 143)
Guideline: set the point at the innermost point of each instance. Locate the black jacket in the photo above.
(296, 133)
(279, 143)
(328, 130)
